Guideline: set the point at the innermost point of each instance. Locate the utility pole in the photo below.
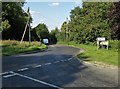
(27, 25)
(67, 30)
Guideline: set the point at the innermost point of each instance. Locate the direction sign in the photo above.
(100, 39)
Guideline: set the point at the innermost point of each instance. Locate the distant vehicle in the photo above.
(45, 41)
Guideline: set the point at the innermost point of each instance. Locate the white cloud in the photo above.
(34, 12)
(54, 4)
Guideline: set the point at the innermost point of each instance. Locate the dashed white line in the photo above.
(38, 66)
(36, 80)
(65, 60)
(56, 61)
(47, 63)
(62, 60)
(69, 59)
(23, 69)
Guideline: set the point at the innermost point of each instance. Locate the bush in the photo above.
(113, 44)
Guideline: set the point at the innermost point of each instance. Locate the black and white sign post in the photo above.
(101, 42)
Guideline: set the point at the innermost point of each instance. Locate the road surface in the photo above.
(56, 67)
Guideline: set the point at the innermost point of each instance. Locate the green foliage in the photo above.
(12, 47)
(114, 45)
(34, 36)
(5, 25)
(91, 54)
(88, 23)
(54, 35)
(42, 31)
(114, 15)
(63, 31)
(14, 19)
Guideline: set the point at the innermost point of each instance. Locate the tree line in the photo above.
(95, 19)
(14, 19)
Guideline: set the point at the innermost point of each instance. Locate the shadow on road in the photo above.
(63, 73)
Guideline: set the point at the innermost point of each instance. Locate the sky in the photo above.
(53, 14)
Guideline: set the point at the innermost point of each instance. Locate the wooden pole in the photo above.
(24, 31)
(29, 34)
(28, 23)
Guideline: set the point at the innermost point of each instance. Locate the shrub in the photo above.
(113, 44)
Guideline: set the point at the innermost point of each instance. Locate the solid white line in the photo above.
(23, 69)
(4, 73)
(7, 76)
(33, 79)
(47, 64)
(38, 66)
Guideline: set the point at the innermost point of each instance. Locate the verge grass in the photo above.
(91, 54)
(11, 47)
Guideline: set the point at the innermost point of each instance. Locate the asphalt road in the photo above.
(56, 67)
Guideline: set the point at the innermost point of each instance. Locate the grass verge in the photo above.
(11, 47)
(91, 54)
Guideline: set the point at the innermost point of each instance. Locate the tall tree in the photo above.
(114, 15)
(89, 22)
(14, 19)
(54, 35)
(63, 31)
(42, 31)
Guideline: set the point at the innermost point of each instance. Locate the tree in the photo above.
(89, 22)
(114, 15)
(14, 19)
(5, 25)
(63, 31)
(54, 35)
(34, 36)
(42, 31)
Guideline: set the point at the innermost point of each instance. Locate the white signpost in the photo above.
(101, 42)
(101, 39)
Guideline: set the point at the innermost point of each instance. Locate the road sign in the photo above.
(100, 39)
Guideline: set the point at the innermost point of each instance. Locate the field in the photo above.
(91, 54)
(12, 47)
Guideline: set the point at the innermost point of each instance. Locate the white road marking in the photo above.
(48, 63)
(10, 75)
(52, 46)
(69, 59)
(65, 60)
(38, 66)
(36, 80)
(23, 69)
(56, 61)
(4, 73)
(62, 60)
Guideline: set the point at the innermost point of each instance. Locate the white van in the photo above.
(45, 41)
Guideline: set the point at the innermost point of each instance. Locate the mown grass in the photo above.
(11, 47)
(91, 54)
